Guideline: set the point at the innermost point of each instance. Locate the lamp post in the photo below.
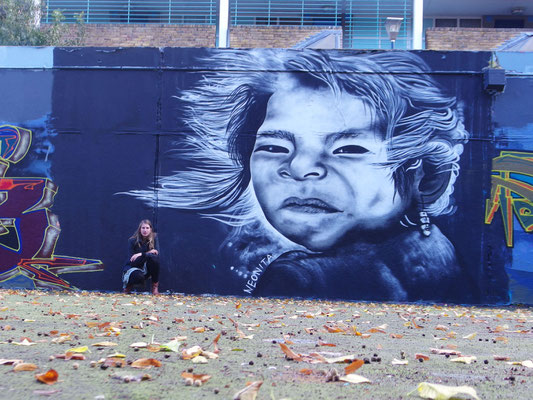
(392, 25)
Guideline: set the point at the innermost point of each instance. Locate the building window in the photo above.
(445, 22)
(470, 22)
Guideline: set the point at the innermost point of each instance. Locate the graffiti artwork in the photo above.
(329, 173)
(28, 229)
(512, 191)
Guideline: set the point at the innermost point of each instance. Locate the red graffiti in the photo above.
(28, 229)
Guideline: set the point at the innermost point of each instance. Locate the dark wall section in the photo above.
(171, 135)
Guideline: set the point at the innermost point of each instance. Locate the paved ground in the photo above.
(298, 349)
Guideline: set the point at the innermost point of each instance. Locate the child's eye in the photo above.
(351, 149)
(272, 149)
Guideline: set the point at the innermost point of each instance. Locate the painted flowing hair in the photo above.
(226, 108)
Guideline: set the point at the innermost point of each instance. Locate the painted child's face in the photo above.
(316, 168)
(145, 230)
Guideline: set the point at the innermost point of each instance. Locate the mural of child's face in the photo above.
(316, 168)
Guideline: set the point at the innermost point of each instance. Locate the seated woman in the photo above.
(143, 258)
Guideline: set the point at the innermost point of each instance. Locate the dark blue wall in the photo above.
(108, 125)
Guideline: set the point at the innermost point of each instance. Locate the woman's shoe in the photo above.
(155, 288)
(128, 289)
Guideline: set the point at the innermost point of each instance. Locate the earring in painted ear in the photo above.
(424, 223)
(406, 222)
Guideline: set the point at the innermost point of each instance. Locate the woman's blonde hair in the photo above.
(140, 238)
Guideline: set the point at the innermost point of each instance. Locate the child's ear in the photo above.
(431, 182)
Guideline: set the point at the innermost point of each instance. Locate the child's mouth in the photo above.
(309, 206)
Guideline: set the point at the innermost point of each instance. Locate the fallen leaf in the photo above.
(340, 359)
(421, 356)
(501, 358)
(442, 392)
(117, 355)
(306, 371)
(471, 336)
(445, 352)
(215, 344)
(354, 366)
(81, 349)
(132, 378)
(199, 360)
(139, 345)
(104, 344)
(154, 348)
(464, 360)
(321, 343)
(195, 379)
(73, 356)
(249, 392)
(399, 362)
(289, 353)
(173, 345)
(191, 352)
(49, 377)
(4, 361)
(209, 354)
(46, 392)
(526, 363)
(354, 378)
(396, 335)
(24, 342)
(24, 367)
(146, 363)
(113, 362)
(62, 339)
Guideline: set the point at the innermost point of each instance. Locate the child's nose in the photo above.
(306, 166)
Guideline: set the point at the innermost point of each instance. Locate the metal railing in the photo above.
(135, 11)
(362, 21)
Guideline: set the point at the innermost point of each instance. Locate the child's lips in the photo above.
(308, 206)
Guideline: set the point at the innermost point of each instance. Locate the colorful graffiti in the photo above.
(28, 229)
(512, 191)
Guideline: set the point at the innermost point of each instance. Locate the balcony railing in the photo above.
(362, 21)
(135, 11)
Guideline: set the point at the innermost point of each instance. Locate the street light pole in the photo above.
(392, 25)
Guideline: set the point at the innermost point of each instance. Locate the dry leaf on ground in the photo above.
(146, 363)
(354, 378)
(24, 367)
(195, 379)
(464, 360)
(249, 392)
(104, 344)
(442, 392)
(354, 366)
(49, 377)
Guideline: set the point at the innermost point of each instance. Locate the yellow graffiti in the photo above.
(511, 191)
